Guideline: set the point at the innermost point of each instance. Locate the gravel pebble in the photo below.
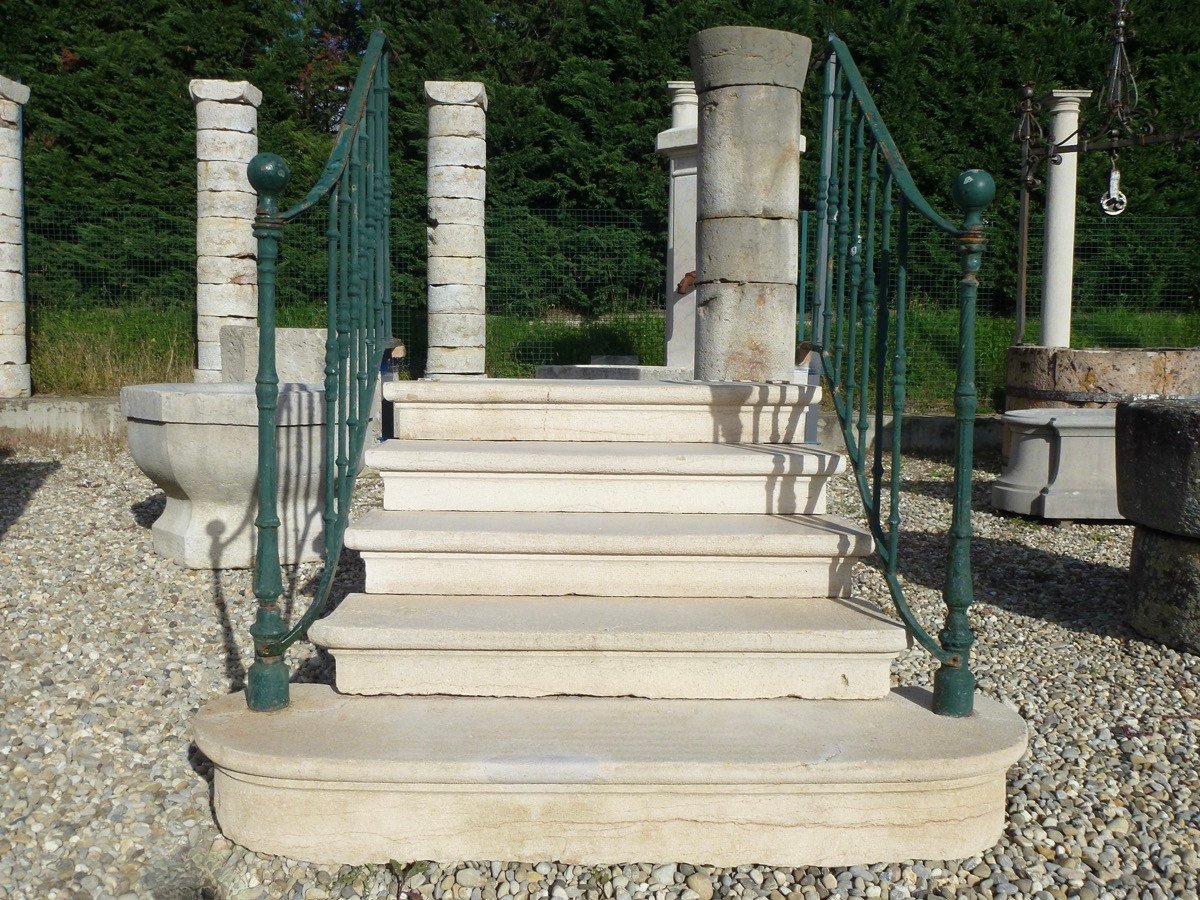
(110, 650)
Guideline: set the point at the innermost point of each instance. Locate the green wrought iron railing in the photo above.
(865, 196)
(356, 186)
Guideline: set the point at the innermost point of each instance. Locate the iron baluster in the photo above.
(856, 248)
(899, 377)
(883, 279)
(843, 239)
(868, 268)
(822, 313)
(953, 683)
(802, 294)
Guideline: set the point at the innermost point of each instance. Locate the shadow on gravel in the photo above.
(1075, 593)
(146, 512)
(19, 481)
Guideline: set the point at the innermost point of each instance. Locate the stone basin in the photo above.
(1061, 464)
(199, 444)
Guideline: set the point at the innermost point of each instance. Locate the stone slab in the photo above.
(456, 93)
(599, 780)
(299, 354)
(750, 161)
(1158, 465)
(226, 270)
(227, 300)
(236, 146)
(456, 182)
(457, 121)
(456, 270)
(227, 205)
(731, 320)
(12, 257)
(457, 298)
(740, 54)
(455, 211)
(239, 92)
(457, 329)
(87, 416)
(14, 380)
(455, 362)
(601, 410)
(758, 251)
(216, 236)
(222, 175)
(12, 288)
(1061, 465)
(1164, 579)
(602, 477)
(655, 647)
(208, 328)
(456, 240)
(13, 91)
(214, 114)
(618, 372)
(455, 150)
(1040, 377)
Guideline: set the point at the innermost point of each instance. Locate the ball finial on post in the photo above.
(973, 190)
(268, 175)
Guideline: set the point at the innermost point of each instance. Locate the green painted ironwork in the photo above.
(865, 195)
(355, 185)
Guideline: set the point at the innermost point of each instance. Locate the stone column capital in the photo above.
(456, 93)
(684, 104)
(13, 91)
(224, 91)
(1064, 100)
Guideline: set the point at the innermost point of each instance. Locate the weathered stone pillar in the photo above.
(456, 181)
(678, 145)
(1058, 254)
(226, 268)
(748, 198)
(14, 355)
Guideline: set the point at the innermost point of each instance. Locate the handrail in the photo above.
(858, 318)
(356, 183)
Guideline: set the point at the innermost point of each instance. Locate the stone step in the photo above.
(657, 647)
(530, 409)
(598, 476)
(606, 554)
(343, 779)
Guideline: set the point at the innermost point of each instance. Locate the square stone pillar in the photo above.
(456, 170)
(14, 352)
(678, 145)
(226, 251)
(748, 201)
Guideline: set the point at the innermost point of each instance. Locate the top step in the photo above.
(526, 409)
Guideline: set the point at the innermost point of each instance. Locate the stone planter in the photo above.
(1061, 377)
(199, 444)
(1158, 487)
(1061, 464)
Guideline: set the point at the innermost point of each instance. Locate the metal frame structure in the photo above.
(1119, 99)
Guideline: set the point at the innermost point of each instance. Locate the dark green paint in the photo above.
(864, 314)
(353, 184)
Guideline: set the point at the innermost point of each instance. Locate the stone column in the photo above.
(748, 201)
(456, 180)
(1058, 253)
(678, 145)
(14, 356)
(226, 266)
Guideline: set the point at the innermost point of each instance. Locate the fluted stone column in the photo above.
(14, 355)
(456, 182)
(748, 192)
(678, 145)
(226, 268)
(1058, 253)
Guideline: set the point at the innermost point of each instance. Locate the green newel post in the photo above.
(267, 679)
(954, 684)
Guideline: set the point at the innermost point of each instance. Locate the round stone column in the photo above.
(749, 82)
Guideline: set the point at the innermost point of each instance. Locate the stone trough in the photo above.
(199, 444)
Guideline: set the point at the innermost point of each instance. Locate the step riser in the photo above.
(666, 676)
(517, 574)
(782, 424)
(719, 825)
(782, 494)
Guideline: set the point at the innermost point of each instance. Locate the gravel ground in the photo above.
(109, 651)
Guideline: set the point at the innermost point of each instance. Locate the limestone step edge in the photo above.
(655, 647)
(624, 411)
(353, 780)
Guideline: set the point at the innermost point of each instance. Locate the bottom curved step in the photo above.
(341, 779)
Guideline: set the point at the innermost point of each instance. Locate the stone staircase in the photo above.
(608, 622)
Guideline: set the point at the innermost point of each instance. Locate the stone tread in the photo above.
(602, 458)
(524, 391)
(617, 624)
(608, 741)
(634, 534)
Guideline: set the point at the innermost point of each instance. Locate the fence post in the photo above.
(14, 352)
(267, 679)
(954, 683)
(226, 141)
